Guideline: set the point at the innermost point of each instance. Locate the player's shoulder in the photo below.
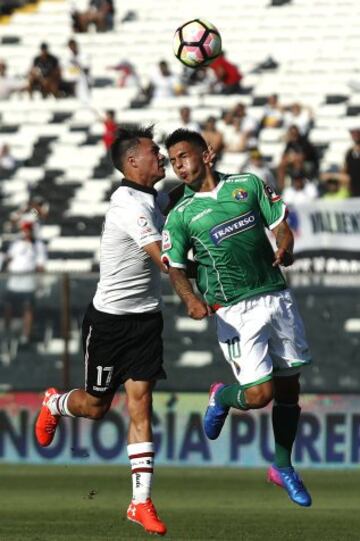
(181, 205)
(127, 198)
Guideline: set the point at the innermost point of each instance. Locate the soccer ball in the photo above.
(197, 43)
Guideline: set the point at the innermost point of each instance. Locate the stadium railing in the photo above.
(193, 359)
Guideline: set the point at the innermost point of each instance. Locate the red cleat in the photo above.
(46, 422)
(145, 514)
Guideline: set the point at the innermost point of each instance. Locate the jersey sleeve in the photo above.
(175, 242)
(272, 207)
(138, 221)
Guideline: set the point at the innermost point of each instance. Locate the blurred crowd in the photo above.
(297, 173)
(235, 130)
(7, 7)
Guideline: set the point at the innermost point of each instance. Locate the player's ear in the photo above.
(206, 156)
(212, 155)
(131, 160)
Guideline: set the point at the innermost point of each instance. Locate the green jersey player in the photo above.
(222, 219)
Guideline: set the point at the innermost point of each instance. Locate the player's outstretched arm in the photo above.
(196, 308)
(285, 244)
(153, 249)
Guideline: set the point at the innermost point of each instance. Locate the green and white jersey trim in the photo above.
(215, 269)
(279, 220)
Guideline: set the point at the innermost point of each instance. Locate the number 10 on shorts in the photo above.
(233, 348)
(104, 372)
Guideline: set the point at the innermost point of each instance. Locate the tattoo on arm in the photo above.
(181, 283)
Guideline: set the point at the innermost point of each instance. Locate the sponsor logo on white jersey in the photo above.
(142, 221)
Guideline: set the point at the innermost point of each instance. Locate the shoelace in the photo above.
(151, 510)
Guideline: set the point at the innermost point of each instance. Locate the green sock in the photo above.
(285, 419)
(232, 396)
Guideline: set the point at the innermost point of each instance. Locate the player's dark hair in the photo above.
(190, 136)
(128, 139)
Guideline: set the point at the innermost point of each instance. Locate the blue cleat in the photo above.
(215, 414)
(288, 479)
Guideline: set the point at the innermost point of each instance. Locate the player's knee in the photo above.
(96, 413)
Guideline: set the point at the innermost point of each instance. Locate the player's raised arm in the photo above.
(285, 245)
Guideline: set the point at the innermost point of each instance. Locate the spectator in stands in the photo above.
(26, 256)
(213, 136)
(100, 13)
(110, 128)
(163, 83)
(185, 120)
(352, 162)
(7, 160)
(256, 164)
(34, 212)
(228, 76)
(127, 74)
(299, 116)
(302, 190)
(244, 130)
(334, 183)
(201, 79)
(9, 85)
(299, 154)
(273, 113)
(45, 74)
(334, 190)
(76, 73)
(225, 124)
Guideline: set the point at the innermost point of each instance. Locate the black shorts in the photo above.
(20, 299)
(118, 348)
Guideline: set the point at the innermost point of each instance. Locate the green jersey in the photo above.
(225, 228)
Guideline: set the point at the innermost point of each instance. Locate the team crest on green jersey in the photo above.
(240, 194)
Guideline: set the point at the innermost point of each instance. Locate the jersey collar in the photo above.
(139, 187)
(188, 192)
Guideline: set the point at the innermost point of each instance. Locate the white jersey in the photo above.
(25, 257)
(129, 279)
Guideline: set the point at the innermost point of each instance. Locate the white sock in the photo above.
(141, 456)
(58, 404)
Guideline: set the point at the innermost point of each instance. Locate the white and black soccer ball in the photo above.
(197, 43)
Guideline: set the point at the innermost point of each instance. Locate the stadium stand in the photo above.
(57, 143)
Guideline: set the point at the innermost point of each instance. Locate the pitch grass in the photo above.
(55, 503)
